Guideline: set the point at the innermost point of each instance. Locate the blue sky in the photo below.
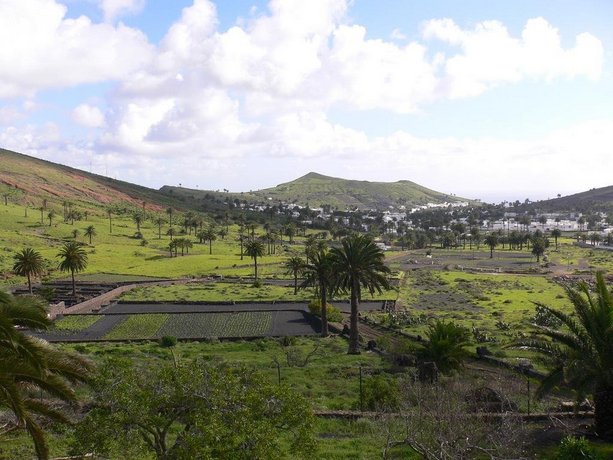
(486, 99)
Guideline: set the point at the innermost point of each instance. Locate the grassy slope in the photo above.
(39, 179)
(594, 199)
(316, 189)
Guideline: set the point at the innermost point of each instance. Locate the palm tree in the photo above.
(538, 247)
(492, 241)
(169, 212)
(358, 264)
(32, 366)
(171, 232)
(28, 263)
(137, 217)
(210, 235)
(556, 233)
(159, 221)
(294, 266)
(319, 275)
(50, 216)
(109, 212)
(89, 232)
(445, 346)
(581, 354)
(254, 249)
(73, 259)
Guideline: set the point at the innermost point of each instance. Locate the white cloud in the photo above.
(114, 8)
(89, 116)
(490, 56)
(48, 50)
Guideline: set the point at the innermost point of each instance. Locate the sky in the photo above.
(487, 99)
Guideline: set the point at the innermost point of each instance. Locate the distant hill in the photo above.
(596, 199)
(29, 180)
(316, 189)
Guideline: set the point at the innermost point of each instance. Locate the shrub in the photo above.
(334, 314)
(381, 393)
(168, 341)
(287, 341)
(572, 448)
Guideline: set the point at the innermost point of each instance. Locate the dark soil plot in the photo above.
(295, 323)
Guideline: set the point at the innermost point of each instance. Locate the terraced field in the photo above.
(152, 326)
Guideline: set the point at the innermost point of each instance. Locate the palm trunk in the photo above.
(29, 283)
(295, 283)
(74, 289)
(210, 247)
(603, 412)
(255, 265)
(324, 310)
(354, 333)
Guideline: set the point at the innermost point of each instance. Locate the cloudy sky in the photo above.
(485, 99)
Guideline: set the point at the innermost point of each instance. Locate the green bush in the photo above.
(168, 341)
(381, 393)
(334, 314)
(572, 448)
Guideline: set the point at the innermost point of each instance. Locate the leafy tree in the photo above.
(492, 241)
(254, 249)
(169, 211)
(446, 346)
(75, 233)
(294, 266)
(32, 371)
(171, 232)
(580, 353)
(318, 273)
(210, 235)
(358, 264)
(90, 232)
(194, 410)
(28, 263)
(556, 233)
(73, 259)
(290, 232)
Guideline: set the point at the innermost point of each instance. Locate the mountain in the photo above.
(316, 189)
(596, 199)
(29, 181)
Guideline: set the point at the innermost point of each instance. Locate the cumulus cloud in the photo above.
(89, 116)
(489, 56)
(48, 50)
(114, 8)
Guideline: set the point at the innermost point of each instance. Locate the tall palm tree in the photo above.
(319, 275)
(90, 232)
(210, 235)
(294, 266)
(159, 221)
(581, 353)
(169, 212)
(556, 233)
(138, 217)
(492, 241)
(358, 264)
(254, 249)
(32, 366)
(28, 263)
(50, 216)
(109, 213)
(73, 259)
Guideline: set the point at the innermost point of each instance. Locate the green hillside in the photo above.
(28, 181)
(316, 190)
(596, 199)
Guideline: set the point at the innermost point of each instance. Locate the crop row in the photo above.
(240, 324)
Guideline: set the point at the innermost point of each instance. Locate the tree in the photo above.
(138, 218)
(492, 241)
(581, 353)
(318, 273)
(109, 213)
(50, 216)
(194, 410)
(169, 212)
(538, 247)
(254, 249)
(28, 263)
(90, 232)
(445, 346)
(31, 368)
(73, 259)
(210, 235)
(171, 232)
(294, 266)
(556, 233)
(159, 221)
(290, 231)
(358, 264)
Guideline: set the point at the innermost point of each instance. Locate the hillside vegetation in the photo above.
(316, 190)
(596, 199)
(28, 181)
